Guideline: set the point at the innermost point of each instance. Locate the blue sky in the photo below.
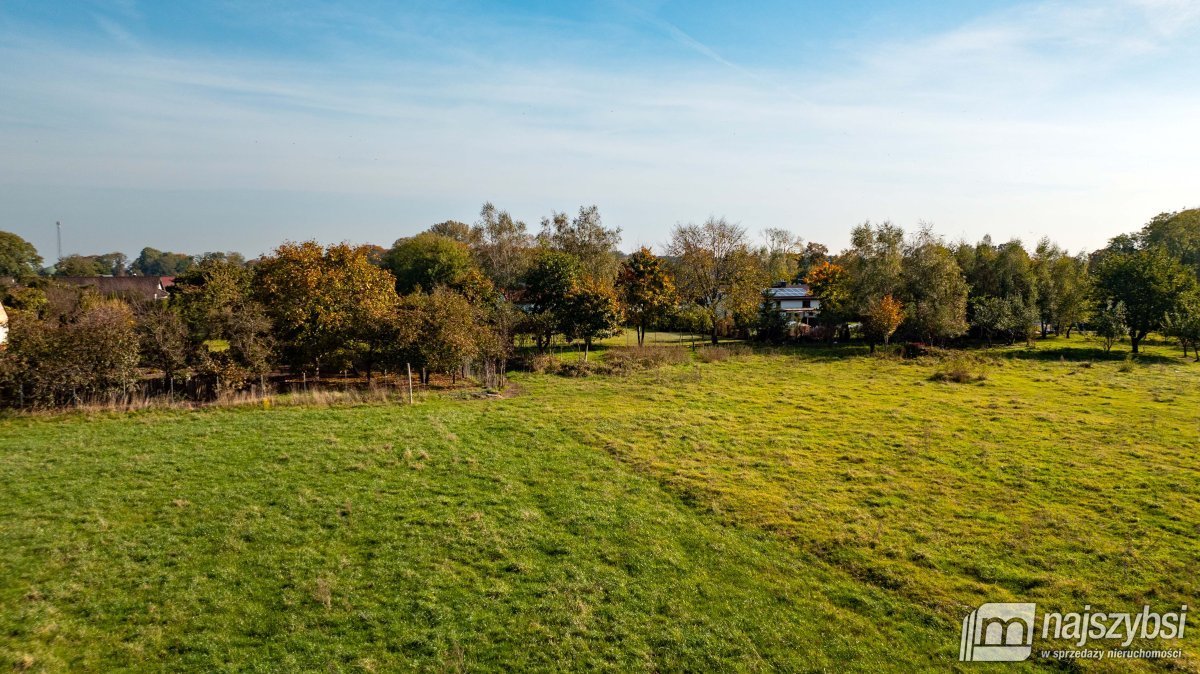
(235, 125)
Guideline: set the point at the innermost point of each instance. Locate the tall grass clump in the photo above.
(631, 359)
(715, 354)
(961, 368)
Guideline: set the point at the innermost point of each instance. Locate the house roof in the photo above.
(145, 287)
(789, 293)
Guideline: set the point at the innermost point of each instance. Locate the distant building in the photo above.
(796, 301)
(3, 327)
(146, 288)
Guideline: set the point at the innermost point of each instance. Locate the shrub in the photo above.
(545, 363)
(581, 368)
(631, 359)
(88, 358)
(960, 369)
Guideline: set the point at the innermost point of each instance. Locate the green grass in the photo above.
(800, 510)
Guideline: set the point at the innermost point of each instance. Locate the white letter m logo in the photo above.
(998, 633)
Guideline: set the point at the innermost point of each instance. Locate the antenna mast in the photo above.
(58, 225)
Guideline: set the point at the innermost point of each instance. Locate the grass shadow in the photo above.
(1079, 354)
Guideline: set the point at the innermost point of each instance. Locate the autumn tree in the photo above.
(164, 338)
(447, 332)
(812, 255)
(716, 271)
(831, 285)
(92, 354)
(881, 319)
(646, 290)
(325, 303)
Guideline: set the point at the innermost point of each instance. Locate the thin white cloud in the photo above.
(1023, 122)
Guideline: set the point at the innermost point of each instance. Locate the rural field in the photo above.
(780, 510)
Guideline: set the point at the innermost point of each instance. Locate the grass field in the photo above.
(795, 510)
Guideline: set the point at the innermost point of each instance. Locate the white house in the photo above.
(795, 301)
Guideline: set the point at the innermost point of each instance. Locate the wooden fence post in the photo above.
(408, 367)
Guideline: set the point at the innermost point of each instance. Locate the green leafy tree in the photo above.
(1110, 324)
(646, 289)
(991, 315)
(813, 254)
(781, 254)
(585, 237)
(459, 231)
(18, 257)
(1178, 233)
(874, 263)
(1004, 271)
(933, 289)
(772, 324)
(591, 312)
(548, 283)
(428, 260)
(502, 246)
(1149, 282)
(108, 264)
(154, 262)
(1184, 325)
(716, 271)
(215, 300)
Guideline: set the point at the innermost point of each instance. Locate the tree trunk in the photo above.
(714, 334)
(1135, 340)
(872, 343)
(587, 345)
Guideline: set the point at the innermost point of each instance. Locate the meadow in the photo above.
(795, 509)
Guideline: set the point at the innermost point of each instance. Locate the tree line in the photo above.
(458, 299)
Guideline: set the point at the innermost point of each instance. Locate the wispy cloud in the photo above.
(1067, 119)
